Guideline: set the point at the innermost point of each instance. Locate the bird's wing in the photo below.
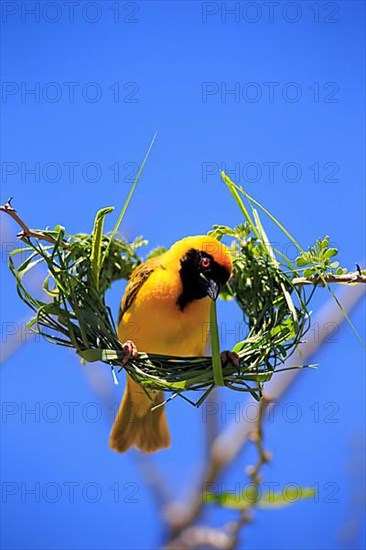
(138, 278)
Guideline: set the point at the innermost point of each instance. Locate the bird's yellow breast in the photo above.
(155, 323)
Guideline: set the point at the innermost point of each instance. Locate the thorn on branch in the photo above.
(8, 205)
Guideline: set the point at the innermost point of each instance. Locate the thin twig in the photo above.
(200, 537)
(355, 277)
(257, 437)
(26, 232)
(254, 473)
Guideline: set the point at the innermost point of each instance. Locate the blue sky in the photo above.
(277, 99)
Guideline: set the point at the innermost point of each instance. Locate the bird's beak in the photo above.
(212, 289)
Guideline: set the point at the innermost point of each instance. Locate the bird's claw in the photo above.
(130, 350)
(230, 357)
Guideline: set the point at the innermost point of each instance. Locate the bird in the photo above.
(165, 310)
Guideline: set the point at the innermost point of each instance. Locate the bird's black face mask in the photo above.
(201, 276)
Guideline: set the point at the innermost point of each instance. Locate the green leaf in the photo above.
(289, 495)
(331, 252)
(301, 261)
(252, 497)
(96, 246)
(240, 501)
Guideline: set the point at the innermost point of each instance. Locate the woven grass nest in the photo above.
(82, 267)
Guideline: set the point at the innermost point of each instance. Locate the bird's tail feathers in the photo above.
(136, 425)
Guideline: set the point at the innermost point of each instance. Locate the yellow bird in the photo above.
(165, 310)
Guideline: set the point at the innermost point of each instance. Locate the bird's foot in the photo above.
(130, 350)
(230, 357)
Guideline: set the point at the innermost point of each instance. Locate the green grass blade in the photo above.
(346, 316)
(129, 197)
(215, 347)
(268, 213)
(263, 234)
(96, 246)
(232, 188)
(289, 302)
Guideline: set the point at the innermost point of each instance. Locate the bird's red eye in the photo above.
(205, 263)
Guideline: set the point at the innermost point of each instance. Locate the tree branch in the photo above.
(355, 277)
